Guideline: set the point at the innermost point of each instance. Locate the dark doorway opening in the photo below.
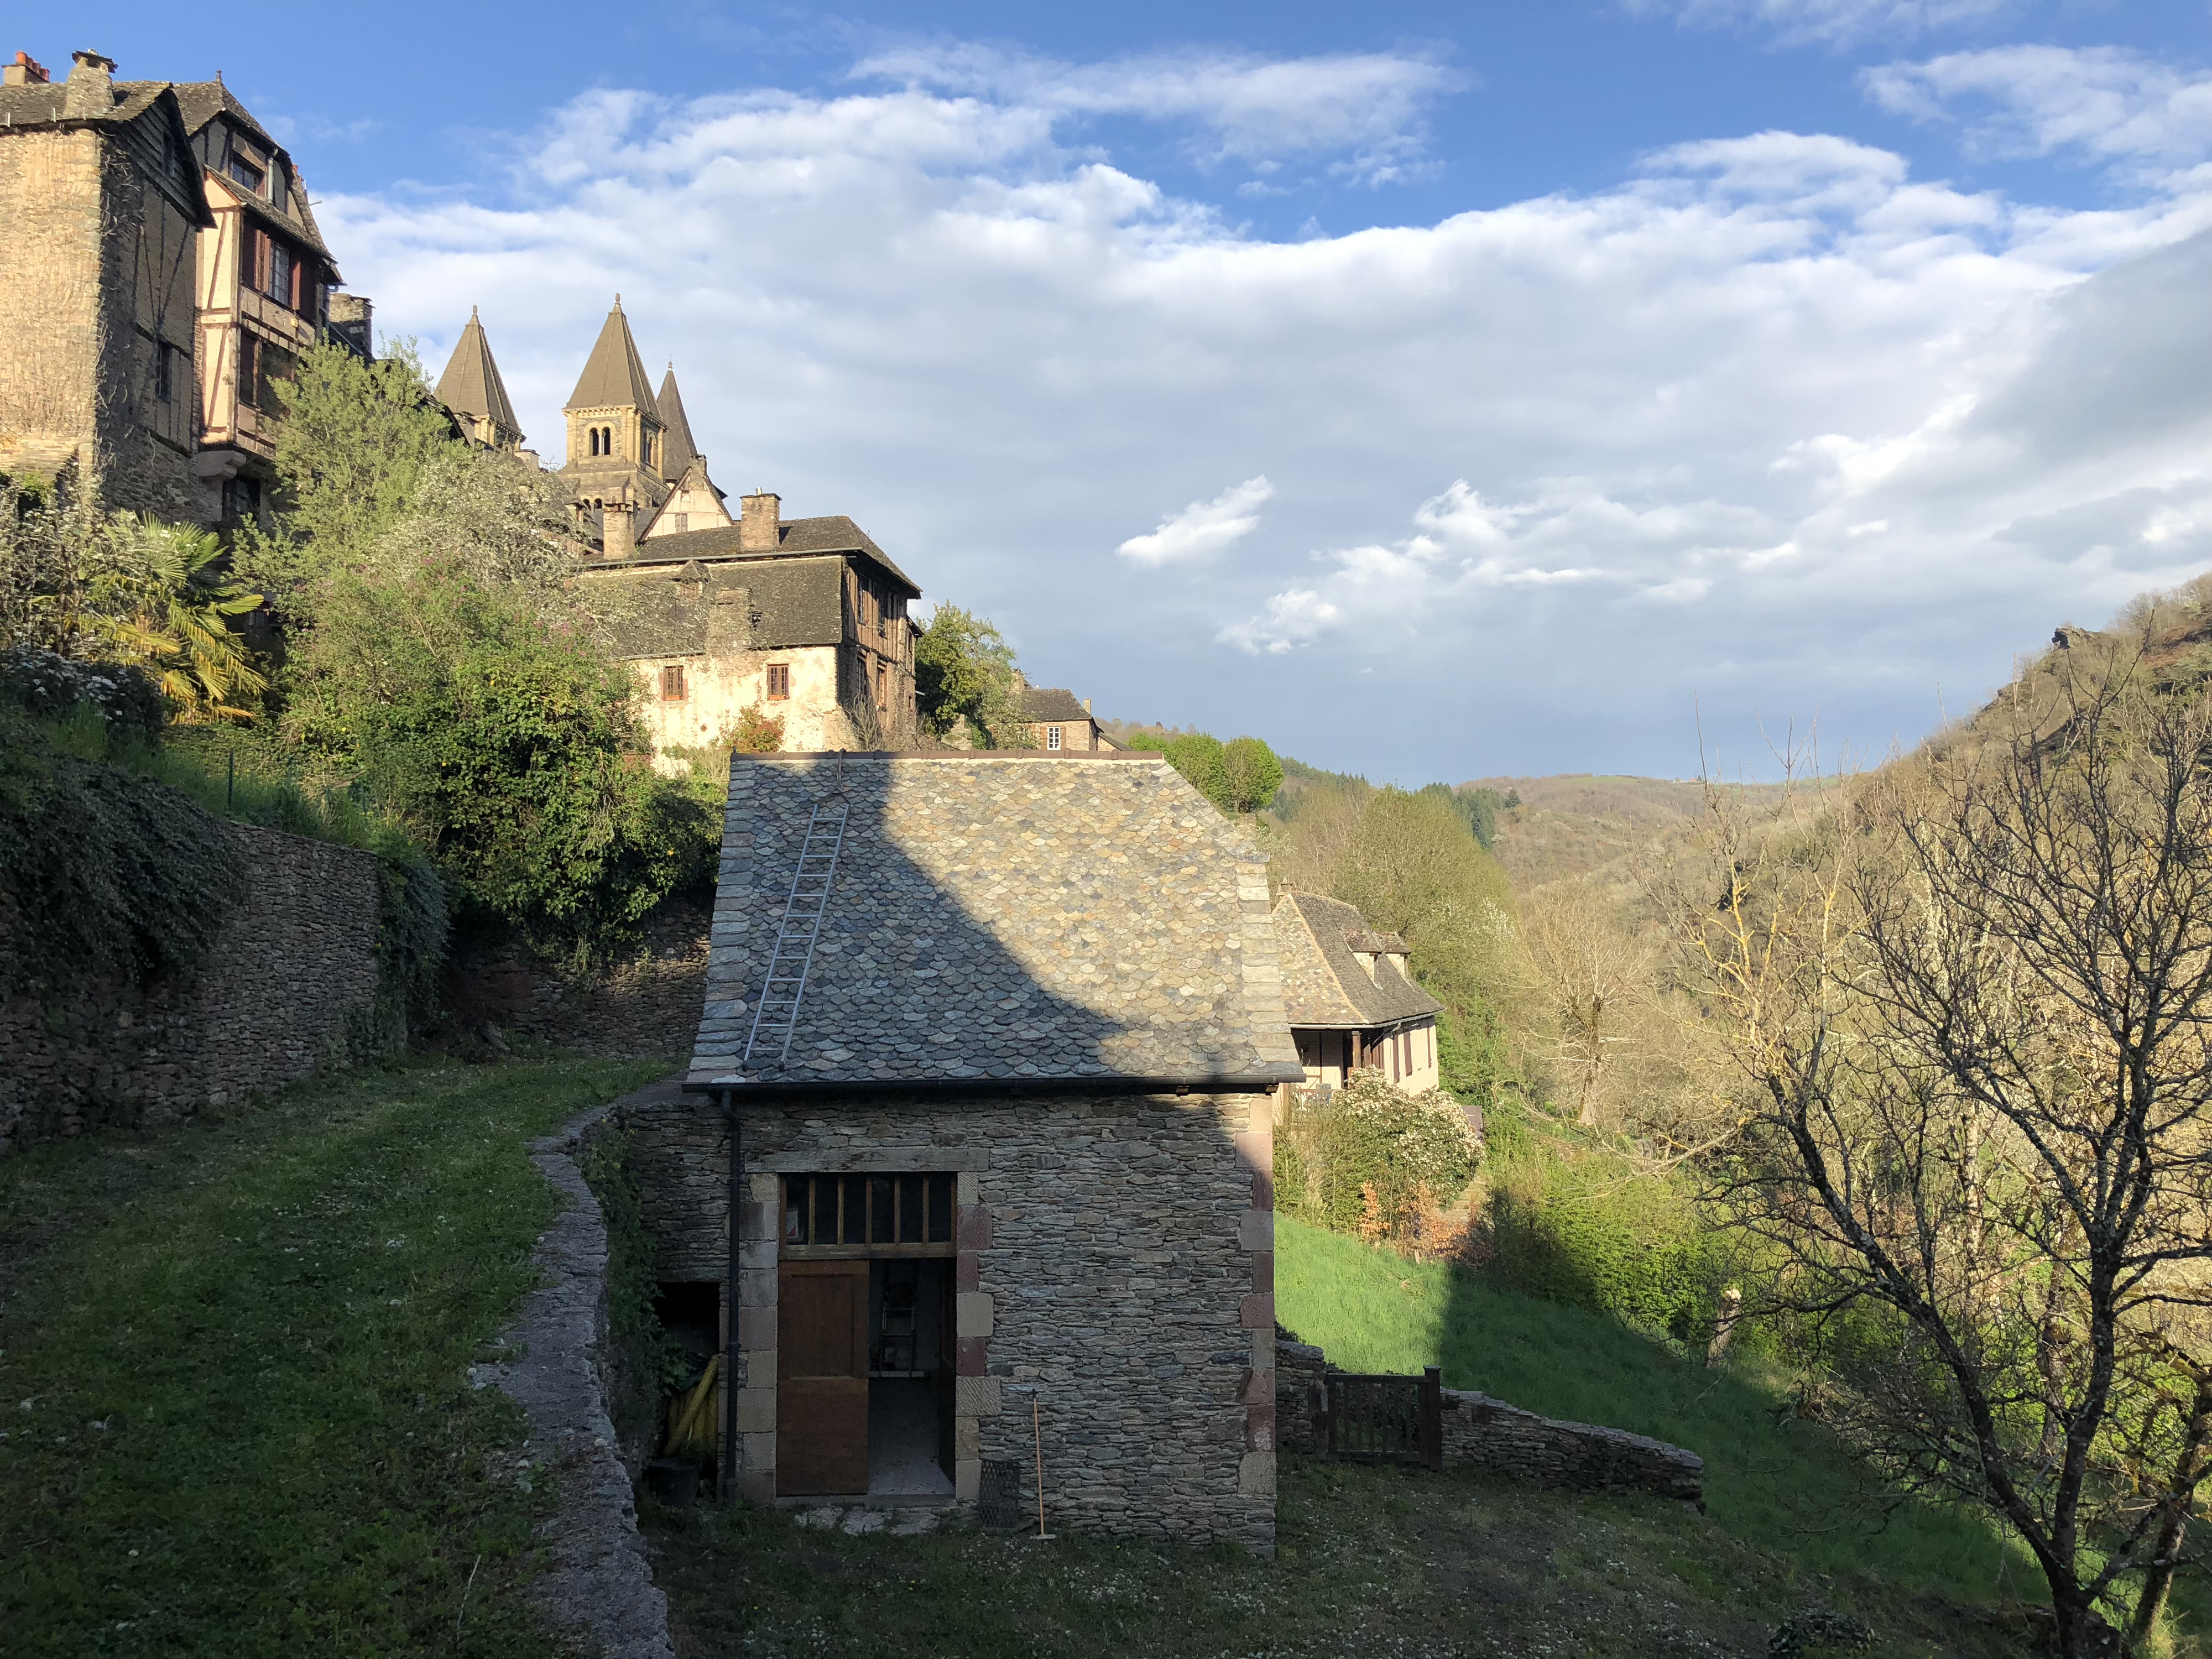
(691, 1312)
(910, 1370)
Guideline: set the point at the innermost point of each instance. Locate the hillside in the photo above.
(1581, 824)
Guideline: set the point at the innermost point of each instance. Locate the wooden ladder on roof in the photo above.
(775, 1015)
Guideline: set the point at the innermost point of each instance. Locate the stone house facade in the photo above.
(1058, 722)
(163, 272)
(1009, 1146)
(102, 198)
(805, 618)
(1351, 998)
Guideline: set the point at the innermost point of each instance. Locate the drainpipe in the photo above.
(727, 1486)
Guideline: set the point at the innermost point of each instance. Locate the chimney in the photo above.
(25, 71)
(759, 513)
(90, 88)
(618, 530)
(1086, 705)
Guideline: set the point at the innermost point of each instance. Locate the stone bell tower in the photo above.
(617, 440)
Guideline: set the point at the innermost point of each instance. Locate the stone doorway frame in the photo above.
(975, 1393)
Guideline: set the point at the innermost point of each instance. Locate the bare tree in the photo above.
(1970, 1010)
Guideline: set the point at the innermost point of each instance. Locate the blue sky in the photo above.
(1435, 391)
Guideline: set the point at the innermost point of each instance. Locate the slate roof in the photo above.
(678, 452)
(651, 612)
(835, 534)
(613, 377)
(200, 102)
(41, 105)
(998, 919)
(1042, 704)
(1324, 985)
(471, 384)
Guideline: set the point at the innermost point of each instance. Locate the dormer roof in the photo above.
(1325, 983)
(201, 102)
(472, 385)
(613, 376)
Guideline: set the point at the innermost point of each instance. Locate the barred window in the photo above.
(876, 1212)
(671, 683)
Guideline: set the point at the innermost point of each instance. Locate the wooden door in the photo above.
(822, 1377)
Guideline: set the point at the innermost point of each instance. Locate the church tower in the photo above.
(471, 388)
(617, 440)
(693, 502)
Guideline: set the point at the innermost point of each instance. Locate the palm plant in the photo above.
(164, 598)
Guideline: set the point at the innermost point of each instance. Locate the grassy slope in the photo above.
(233, 1361)
(1770, 1479)
(1371, 1561)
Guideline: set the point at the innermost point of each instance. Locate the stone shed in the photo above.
(998, 1034)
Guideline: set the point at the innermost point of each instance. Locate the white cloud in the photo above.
(2103, 103)
(1203, 527)
(1772, 420)
(1366, 107)
(1830, 21)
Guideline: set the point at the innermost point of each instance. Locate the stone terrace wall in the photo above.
(289, 985)
(1489, 1435)
(1116, 1254)
(647, 1005)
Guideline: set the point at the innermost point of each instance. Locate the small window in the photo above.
(164, 356)
(875, 1212)
(1052, 736)
(277, 281)
(671, 683)
(883, 685)
(779, 681)
(241, 501)
(682, 521)
(249, 167)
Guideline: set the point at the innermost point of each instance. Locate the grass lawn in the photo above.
(234, 1419)
(1371, 1561)
(1770, 1479)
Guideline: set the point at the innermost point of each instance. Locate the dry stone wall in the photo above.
(289, 984)
(648, 1005)
(1488, 1435)
(1115, 1255)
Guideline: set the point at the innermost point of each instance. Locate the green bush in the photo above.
(1370, 1158)
(1582, 1224)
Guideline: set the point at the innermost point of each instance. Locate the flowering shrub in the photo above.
(41, 683)
(1373, 1161)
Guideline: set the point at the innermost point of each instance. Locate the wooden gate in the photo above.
(1385, 1418)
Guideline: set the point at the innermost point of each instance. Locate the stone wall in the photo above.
(646, 1004)
(1497, 1439)
(289, 985)
(1114, 1253)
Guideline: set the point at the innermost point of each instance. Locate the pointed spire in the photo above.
(472, 385)
(613, 377)
(681, 451)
